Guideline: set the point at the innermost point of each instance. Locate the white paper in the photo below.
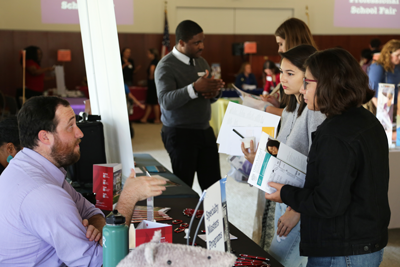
(267, 168)
(239, 115)
(213, 218)
(249, 86)
(242, 94)
(251, 102)
(204, 237)
(292, 157)
(60, 80)
(138, 170)
(232, 146)
(150, 225)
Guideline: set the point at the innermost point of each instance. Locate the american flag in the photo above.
(165, 41)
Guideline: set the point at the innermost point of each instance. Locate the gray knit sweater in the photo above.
(172, 78)
(296, 131)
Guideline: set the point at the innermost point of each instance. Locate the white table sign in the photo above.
(213, 218)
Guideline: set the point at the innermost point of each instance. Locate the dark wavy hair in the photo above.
(9, 132)
(269, 64)
(375, 43)
(298, 56)
(123, 51)
(341, 82)
(38, 113)
(31, 53)
(186, 30)
(154, 52)
(272, 142)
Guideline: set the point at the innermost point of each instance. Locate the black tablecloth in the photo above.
(243, 245)
(181, 191)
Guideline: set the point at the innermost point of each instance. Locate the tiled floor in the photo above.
(240, 197)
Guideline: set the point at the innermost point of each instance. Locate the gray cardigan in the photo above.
(296, 131)
(172, 78)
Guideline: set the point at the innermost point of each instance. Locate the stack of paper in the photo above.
(252, 101)
(288, 166)
(248, 122)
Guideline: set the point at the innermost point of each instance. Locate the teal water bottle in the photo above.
(115, 239)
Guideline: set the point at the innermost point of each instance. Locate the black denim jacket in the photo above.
(344, 203)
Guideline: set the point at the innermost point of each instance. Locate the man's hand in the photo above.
(276, 197)
(136, 189)
(143, 187)
(250, 153)
(208, 85)
(92, 233)
(287, 221)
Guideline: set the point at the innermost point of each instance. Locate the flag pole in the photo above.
(308, 17)
(165, 42)
(23, 75)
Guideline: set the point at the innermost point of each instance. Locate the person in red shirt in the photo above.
(34, 75)
(272, 76)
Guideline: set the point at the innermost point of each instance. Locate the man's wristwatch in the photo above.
(194, 88)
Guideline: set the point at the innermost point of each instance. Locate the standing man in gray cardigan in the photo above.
(185, 93)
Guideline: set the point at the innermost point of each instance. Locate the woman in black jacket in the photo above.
(344, 203)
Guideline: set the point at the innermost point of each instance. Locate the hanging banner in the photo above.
(66, 11)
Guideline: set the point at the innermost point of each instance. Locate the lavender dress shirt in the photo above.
(41, 216)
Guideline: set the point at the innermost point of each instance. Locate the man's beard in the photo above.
(64, 154)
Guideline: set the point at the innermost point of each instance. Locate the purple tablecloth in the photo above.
(77, 103)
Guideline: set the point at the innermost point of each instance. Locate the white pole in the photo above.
(104, 75)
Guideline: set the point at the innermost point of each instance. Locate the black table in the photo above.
(180, 197)
(181, 191)
(243, 245)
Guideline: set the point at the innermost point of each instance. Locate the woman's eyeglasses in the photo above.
(306, 81)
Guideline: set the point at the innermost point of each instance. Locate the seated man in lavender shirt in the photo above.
(43, 220)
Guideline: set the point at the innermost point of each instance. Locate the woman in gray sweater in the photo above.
(297, 124)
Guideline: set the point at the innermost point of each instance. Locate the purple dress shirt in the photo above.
(41, 216)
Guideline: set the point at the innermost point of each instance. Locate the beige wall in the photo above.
(148, 16)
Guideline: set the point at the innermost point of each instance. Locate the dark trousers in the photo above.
(191, 151)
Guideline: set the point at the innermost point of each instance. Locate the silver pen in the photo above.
(150, 205)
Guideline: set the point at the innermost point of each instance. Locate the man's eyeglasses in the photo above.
(306, 81)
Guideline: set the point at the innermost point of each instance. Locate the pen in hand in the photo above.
(238, 133)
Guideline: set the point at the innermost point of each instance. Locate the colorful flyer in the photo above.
(384, 109)
(277, 162)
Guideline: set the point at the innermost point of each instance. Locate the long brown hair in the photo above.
(384, 58)
(295, 32)
(341, 82)
(244, 64)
